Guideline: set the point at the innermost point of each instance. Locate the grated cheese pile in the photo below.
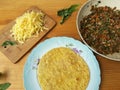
(28, 25)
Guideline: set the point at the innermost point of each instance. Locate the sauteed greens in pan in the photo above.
(101, 29)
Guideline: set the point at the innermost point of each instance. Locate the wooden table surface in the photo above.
(13, 73)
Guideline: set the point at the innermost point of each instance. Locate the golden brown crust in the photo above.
(62, 69)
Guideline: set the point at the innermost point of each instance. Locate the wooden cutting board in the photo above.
(16, 52)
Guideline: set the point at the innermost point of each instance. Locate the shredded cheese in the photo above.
(28, 25)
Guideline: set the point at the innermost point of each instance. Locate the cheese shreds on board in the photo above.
(28, 25)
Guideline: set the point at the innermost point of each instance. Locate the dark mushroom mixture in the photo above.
(101, 29)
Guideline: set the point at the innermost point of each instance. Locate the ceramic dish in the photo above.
(30, 68)
(85, 10)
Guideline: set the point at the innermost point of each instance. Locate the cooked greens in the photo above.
(101, 29)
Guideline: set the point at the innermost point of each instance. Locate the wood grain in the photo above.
(16, 52)
(13, 73)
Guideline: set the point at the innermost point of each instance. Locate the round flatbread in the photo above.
(62, 69)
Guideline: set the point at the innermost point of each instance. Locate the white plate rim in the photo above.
(94, 74)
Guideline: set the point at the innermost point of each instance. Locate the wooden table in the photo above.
(13, 73)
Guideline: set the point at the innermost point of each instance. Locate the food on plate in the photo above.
(28, 25)
(101, 29)
(62, 69)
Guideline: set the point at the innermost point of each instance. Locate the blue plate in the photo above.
(30, 68)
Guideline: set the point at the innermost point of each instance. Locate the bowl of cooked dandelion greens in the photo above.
(98, 24)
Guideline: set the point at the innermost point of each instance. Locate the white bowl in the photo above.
(85, 10)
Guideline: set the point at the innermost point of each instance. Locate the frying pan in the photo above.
(85, 10)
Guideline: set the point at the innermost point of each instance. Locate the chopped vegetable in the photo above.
(4, 86)
(66, 13)
(8, 42)
(101, 29)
